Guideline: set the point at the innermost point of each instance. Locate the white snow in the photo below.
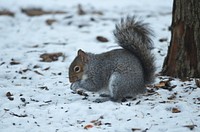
(40, 103)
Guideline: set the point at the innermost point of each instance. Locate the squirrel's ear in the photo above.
(83, 55)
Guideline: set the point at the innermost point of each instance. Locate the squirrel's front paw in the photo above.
(104, 95)
(101, 100)
(81, 92)
(74, 86)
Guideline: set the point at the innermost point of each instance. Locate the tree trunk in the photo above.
(183, 58)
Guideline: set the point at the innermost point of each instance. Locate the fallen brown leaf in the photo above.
(88, 126)
(49, 57)
(39, 12)
(165, 85)
(7, 13)
(50, 21)
(175, 110)
(161, 84)
(101, 39)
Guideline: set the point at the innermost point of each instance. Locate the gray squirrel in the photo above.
(122, 72)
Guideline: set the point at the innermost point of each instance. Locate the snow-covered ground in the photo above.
(35, 95)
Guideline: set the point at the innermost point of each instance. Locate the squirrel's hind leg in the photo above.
(112, 89)
(115, 87)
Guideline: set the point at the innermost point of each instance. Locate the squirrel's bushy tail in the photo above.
(134, 36)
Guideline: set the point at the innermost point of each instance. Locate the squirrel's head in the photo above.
(76, 68)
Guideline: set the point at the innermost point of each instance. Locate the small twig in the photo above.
(25, 115)
(48, 101)
(38, 73)
(44, 88)
(2, 63)
(54, 43)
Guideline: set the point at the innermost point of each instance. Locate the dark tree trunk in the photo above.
(183, 58)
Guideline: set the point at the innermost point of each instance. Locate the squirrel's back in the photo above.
(134, 36)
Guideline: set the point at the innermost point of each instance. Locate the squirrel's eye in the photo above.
(77, 69)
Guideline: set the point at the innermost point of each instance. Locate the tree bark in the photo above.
(183, 58)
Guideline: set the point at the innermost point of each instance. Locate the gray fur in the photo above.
(122, 72)
(134, 36)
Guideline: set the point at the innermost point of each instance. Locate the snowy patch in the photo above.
(36, 96)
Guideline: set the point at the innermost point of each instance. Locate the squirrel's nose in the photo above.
(70, 79)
